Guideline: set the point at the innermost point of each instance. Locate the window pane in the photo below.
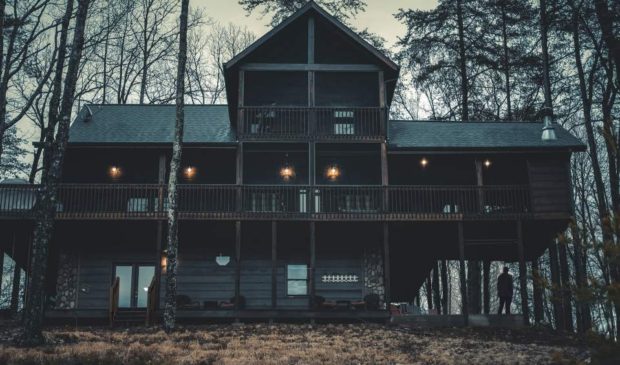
(124, 288)
(145, 276)
(297, 272)
(297, 287)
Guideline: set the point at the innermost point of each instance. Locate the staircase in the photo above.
(129, 317)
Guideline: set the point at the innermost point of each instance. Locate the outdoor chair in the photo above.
(185, 302)
(370, 302)
(231, 303)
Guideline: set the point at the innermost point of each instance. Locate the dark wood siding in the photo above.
(550, 185)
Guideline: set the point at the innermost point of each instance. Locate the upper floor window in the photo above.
(296, 279)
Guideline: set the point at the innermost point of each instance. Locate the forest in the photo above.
(469, 60)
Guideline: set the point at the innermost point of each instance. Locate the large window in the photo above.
(297, 279)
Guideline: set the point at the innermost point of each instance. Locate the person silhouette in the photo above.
(504, 290)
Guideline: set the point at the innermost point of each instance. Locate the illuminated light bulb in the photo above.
(424, 162)
(115, 172)
(332, 173)
(487, 163)
(189, 172)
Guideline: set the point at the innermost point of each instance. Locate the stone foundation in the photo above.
(66, 284)
(372, 262)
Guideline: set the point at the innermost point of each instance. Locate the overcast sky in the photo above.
(378, 17)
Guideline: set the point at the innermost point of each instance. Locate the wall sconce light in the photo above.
(164, 261)
(423, 162)
(115, 172)
(332, 172)
(487, 163)
(189, 173)
(222, 260)
(287, 172)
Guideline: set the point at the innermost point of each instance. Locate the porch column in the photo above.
(311, 283)
(274, 264)
(464, 308)
(486, 268)
(237, 263)
(522, 274)
(15, 289)
(161, 180)
(386, 265)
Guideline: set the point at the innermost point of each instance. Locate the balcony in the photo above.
(282, 202)
(299, 123)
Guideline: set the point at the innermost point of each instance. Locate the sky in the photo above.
(378, 17)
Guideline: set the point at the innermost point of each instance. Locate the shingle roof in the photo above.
(142, 124)
(150, 124)
(432, 135)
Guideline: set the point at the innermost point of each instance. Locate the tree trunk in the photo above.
(429, 293)
(173, 239)
(566, 291)
(584, 320)
(436, 294)
(47, 196)
(462, 62)
(537, 292)
(548, 106)
(444, 287)
(606, 22)
(506, 63)
(473, 286)
(556, 288)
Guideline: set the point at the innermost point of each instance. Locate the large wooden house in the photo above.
(299, 199)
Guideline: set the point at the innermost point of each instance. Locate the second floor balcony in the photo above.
(282, 202)
(316, 123)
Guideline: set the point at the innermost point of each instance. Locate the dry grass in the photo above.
(286, 344)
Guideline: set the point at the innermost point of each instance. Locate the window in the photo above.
(344, 122)
(297, 280)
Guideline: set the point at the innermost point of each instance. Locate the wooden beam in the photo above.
(274, 264)
(386, 265)
(486, 295)
(322, 67)
(311, 280)
(384, 176)
(522, 274)
(239, 176)
(311, 40)
(237, 263)
(464, 308)
(240, 102)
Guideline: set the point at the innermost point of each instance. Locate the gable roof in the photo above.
(311, 5)
(439, 135)
(139, 124)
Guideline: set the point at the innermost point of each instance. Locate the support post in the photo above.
(522, 275)
(384, 177)
(464, 309)
(311, 282)
(237, 264)
(537, 292)
(274, 264)
(386, 265)
(239, 176)
(161, 180)
(486, 295)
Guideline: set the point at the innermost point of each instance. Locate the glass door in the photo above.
(134, 281)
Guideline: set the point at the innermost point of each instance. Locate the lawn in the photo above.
(292, 344)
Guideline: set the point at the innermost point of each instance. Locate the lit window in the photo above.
(297, 280)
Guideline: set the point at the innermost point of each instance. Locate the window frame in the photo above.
(288, 280)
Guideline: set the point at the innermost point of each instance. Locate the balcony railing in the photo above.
(116, 201)
(311, 123)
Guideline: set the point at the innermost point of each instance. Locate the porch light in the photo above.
(287, 172)
(189, 172)
(423, 162)
(115, 172)
(332, 173)
(222, 260)
(487, 163)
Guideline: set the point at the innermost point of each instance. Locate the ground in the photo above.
(293, 344)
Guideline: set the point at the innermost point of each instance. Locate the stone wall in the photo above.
(372, 262)
(66, 283)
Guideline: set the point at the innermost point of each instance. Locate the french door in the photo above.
(134, 281)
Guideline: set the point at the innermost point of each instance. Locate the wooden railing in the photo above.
(339, 123)
(151, 301)
(114, 296)
(140, 201)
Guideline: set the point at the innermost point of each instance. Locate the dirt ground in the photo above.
(294, 344)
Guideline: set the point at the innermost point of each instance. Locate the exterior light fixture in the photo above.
(423, 162)
(222, 260)
(332, 173)
(115, 172)
(164, 261)
(287, 172)
(487, 163)
(189, 172)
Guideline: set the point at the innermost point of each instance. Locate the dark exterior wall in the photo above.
(549, 178)
(334, 47)
(285, 47)
(354, 89)
(266, 88)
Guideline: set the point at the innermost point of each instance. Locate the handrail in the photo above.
(151, 301)
(120, 201)
(114, 296)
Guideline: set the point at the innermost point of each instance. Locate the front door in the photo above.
(134, 281)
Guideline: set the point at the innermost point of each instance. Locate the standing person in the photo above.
(504, 290)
